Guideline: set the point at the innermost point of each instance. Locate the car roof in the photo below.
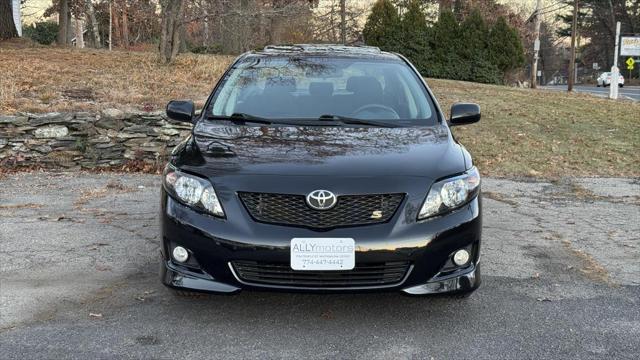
(328, 50)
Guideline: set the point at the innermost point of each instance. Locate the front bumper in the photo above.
(426, 245)
(173, 277)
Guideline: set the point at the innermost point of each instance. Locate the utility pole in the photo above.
(536, 46)
(615, 71)
(574, 31)
(343, 22)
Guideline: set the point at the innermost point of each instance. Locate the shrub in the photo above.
(42, 32)
(210, 49)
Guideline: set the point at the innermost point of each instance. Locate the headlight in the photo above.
(193, 191)
(448, 194)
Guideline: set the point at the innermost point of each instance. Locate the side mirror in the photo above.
(464, 113)
(181, 110)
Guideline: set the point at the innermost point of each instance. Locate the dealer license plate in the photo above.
(323, 254)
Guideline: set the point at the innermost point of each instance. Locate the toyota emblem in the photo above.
(321, 199)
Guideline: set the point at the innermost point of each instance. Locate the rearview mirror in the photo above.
(181, 110)
(464, 113)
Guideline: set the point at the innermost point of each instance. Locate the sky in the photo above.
(32, 10)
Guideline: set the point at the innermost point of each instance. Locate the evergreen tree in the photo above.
(414, 32)
(444, 44)
(505, 47)
(448, 49)
(474, 34)
(476, 65)
(382, 26)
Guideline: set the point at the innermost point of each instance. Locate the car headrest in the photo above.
(287, 83)
(321, 89)
(364, 85)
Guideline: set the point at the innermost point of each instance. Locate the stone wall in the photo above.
(112, 138)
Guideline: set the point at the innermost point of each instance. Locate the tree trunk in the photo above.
(125, 25)
(110, 26)
(171, 23)
(205, 30)
(91, 16)
(116, 32)
(79, 34)
(64, 22)
(7, 26)
(332, 20)
(343, 22)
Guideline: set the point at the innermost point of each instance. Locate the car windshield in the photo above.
(285, 87)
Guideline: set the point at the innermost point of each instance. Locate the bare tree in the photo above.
(240, 25)
(172, 18)
(328, 24)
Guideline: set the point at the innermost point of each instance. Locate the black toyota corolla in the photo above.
(321, 168)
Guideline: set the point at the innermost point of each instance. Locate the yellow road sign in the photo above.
(630, 63)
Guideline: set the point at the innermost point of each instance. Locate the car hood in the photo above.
(216, 149)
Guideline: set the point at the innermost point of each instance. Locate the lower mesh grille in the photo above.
(375, 274)
(350, 210)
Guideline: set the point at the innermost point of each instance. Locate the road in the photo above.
(627, 93)
(78, 262)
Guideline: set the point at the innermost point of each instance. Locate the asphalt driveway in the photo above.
(78, 279)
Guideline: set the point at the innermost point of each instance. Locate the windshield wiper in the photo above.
(242, 117)
(355, 121)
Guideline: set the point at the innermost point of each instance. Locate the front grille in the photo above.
(375, 274)
(350, 210)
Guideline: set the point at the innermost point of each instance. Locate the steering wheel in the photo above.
(377, 108)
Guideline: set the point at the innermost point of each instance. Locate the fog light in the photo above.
(461, 257)
(180, 254)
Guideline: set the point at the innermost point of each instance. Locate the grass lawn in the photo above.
(522, 132)
(549, 133)
(55, 79)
